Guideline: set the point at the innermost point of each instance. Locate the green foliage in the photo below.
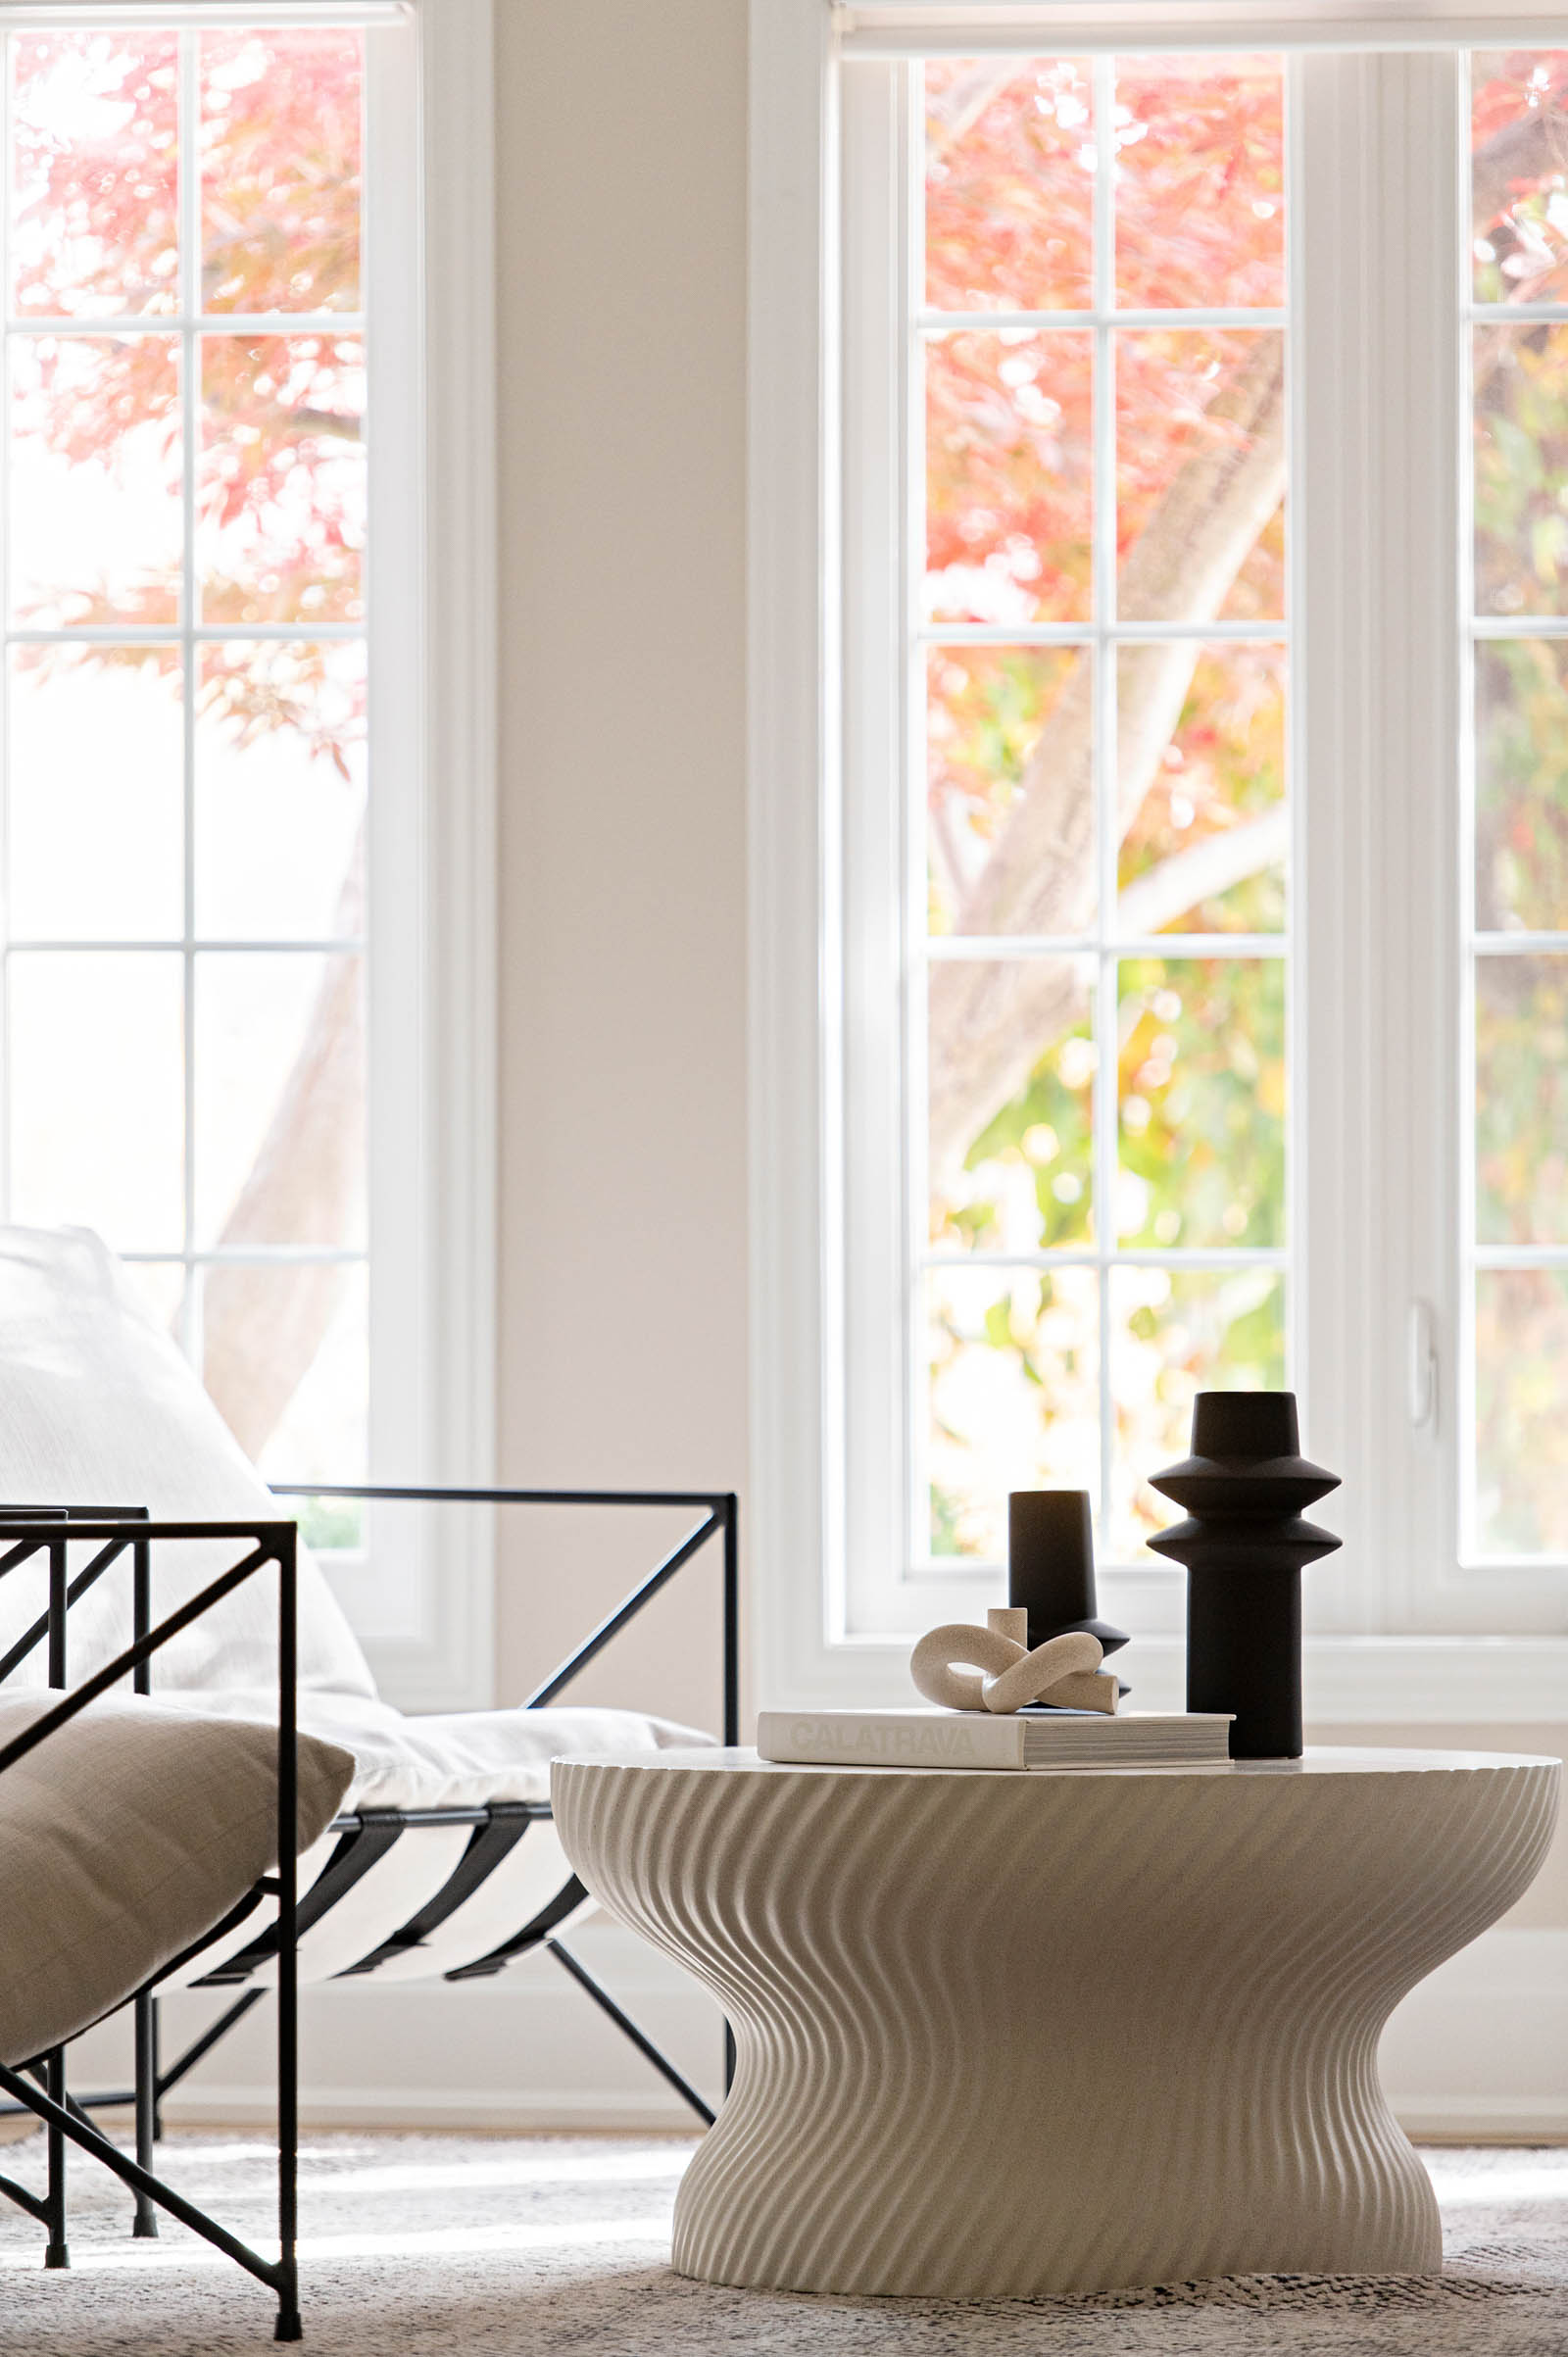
(1203, 1101)
(332, 1524)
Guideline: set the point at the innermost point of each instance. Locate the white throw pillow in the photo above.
(99, 1407)
(123, 1837)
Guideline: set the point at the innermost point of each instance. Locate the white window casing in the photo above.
(1400, 1626)
(435, 982)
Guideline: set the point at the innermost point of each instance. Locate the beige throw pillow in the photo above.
(123, 1837)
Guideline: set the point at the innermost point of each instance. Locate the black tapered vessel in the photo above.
(1244, 1544)
(1051, 1567)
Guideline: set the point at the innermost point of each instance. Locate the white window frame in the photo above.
(1396, 1618)
(434, 988)
(420, 1594)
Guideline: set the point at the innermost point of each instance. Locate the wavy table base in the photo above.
(1003, 2035)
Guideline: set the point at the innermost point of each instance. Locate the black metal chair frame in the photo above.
(364, 1836)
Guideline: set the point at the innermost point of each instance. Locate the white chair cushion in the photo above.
(127, 1834)
(457, 1759)
(98, 1407)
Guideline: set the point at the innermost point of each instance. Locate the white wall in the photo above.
(621, 154)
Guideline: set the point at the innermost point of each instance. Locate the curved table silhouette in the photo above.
(1017, 2033)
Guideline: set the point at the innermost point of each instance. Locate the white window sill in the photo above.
(1346, 1680)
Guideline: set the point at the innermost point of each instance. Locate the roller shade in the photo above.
(955, 29)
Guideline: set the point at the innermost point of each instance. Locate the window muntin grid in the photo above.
(1108, 946)
(190, 1253)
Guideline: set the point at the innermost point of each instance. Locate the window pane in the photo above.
(1519, 175)
(1014, 1396)
(1522, 1099)
(285, 1357)
(159, 1287)
(282, 478)
(1521, 1505)
(1521, 469)
(1199, 182)
(1026, 1182)
(281, 169)
(280, 1098)
(1009, 453)
(1015, 829)
(1201, 1108)
(1206, 848)
(1175, 1333)
(280, 790)
(1009, 184)
(94, 168)
(1200, 460)
(1521, 785)
(95, 479)
(97, 1093)
(1003, 724)
(96, 805)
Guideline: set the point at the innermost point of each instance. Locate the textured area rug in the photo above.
(433, 2246)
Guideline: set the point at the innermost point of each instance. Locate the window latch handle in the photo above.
(1421, 1395)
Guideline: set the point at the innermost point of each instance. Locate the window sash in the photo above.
(1380, 154)
(421, 1596)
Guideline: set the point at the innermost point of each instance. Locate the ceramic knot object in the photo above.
(1243, 1544)
(963, 1667)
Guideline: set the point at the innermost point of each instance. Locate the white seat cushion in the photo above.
(98, 1407)
(455, 1759)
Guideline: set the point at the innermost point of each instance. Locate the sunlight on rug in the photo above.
(513, 2247)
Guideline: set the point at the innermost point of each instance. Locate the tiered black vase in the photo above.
(1051, 1565)
(1243, 1544)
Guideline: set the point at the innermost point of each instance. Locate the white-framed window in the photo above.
(1186, 925)
(244, 973)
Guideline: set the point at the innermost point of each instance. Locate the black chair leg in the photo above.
(148, 2123)
(57, 2251)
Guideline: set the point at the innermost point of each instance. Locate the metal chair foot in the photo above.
(288, 2326)
(56, 2254)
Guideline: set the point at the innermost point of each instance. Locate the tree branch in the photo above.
(989, 1022)
(1200, 872)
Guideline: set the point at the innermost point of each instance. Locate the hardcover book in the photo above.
(972, 1739)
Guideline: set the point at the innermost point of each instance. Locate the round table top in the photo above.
(1319, 1759)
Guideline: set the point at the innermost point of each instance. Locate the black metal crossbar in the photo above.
(46, 2097)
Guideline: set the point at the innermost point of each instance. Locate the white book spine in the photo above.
(890, 1739)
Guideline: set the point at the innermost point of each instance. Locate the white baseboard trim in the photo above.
(1481, 2120)
(523, 2111)
(1479, 2049)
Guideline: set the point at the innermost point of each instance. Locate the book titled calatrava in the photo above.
(972, 1739)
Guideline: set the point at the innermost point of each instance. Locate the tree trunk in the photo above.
(991, 1020)
(990, 1023)
(262, 1326)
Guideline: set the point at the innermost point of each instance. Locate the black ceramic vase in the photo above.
(1051, 1565)
(1244, 1544)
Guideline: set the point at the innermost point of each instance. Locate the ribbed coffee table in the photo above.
(1002, 2036)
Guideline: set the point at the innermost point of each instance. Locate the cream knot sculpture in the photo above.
(964, 1667)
